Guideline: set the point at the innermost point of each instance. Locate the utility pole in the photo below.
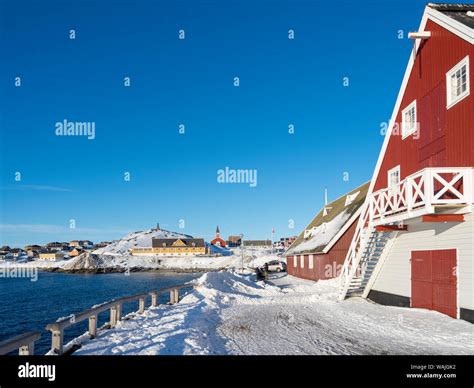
(242, 251)
(273, 238)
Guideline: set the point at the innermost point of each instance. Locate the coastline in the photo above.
(109, 270)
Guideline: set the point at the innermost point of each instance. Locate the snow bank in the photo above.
(229, 313)
(84, 261)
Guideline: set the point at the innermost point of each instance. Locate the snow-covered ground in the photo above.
(39, 264)
(228, 313)
(188, 263)
(233, 258)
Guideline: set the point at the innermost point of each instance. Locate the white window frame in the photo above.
(311, 262)
(449, 100)
(409, 131)
(295, 261)
(302, 261)
(389, 175)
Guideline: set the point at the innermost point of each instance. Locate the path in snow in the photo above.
(231, 314)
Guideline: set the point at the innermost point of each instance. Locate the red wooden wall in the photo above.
(327, 265)
(218, 239)
(446, 136)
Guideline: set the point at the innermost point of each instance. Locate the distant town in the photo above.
(57, 251)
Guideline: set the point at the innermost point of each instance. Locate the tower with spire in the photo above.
(218, 241)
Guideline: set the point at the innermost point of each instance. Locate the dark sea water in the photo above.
(27, 306)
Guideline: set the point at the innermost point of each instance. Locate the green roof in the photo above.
(337, 216)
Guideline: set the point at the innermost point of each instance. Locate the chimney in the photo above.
(157, 226)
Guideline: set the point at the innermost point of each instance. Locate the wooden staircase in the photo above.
(418, 194)
(376, 244)
(364, 258)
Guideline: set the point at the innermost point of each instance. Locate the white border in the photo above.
(464, 62)
(444, 21)
(405, 133)
(389, 172)
(450, 24)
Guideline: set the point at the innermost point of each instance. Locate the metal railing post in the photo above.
(93, 326)
(176, 295)
(113, 316)
(172, 296)
(119, 312)
(141, 305)
(57, 341)
(154, 299)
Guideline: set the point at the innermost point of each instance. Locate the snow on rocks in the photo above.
(230, 259)
(140, 239)
(230, 313)
(84, 261)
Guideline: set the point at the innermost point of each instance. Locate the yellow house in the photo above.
(75, 252)
(50, 255)
(172, 247)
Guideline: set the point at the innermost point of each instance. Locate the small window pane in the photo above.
(458, 79)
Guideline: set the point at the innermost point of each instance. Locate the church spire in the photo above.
(217, 231)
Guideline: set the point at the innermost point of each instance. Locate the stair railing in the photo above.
(356, 249)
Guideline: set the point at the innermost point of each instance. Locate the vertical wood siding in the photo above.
(446, 136)
(325, 266)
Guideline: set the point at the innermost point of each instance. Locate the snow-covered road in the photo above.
(232, 314)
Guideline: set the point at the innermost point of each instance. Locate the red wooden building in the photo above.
(218, 241)
(414, 242)
(319, 251)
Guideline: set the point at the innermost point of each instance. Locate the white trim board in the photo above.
(444, 21)
(450, 24)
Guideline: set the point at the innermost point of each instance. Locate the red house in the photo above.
(414, 242)
(218, 241)
(319, 251)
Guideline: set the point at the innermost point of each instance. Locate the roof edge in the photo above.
(346, 226)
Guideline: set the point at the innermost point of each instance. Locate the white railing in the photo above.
(417, 194)
(351, 263)
(422, 191)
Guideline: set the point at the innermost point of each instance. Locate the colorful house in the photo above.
(50, 254)
(56, 245)
(320, 249)
(218, 241)
(414, 242)
(172, 247)
(75, 252)
(234, 241)
(81, 243)
(257, 243)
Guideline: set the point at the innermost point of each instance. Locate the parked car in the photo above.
(276, 266)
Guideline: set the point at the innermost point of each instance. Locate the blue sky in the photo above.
(173, 176)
